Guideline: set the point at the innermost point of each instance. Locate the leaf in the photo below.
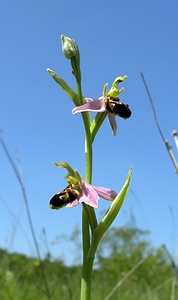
(109, 216)
(66, 88)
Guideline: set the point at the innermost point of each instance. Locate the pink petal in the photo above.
(96, 105)
(72, 204)
(92, 202)
(105, 193)
(88, 100)
(112, 121)
(89, 195)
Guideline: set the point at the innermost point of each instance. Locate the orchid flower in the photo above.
(109, 103)
(79, 191)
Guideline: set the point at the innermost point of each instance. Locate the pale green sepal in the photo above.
(64, 86)
(105, 90)
(114, 91)
(72, 176)
(110, 215)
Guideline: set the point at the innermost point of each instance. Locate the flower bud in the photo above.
(71, 51)
(69, 47)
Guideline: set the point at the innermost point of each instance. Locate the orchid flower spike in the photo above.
(109, 102)
(79, 191)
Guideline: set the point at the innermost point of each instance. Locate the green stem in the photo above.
(86, 278)
(87, 262)
(88, 218)
(88, 214)
(88, 156)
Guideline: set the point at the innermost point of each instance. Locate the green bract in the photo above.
(110, 215)
(66, 88)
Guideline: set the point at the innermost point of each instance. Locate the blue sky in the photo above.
(115, 38)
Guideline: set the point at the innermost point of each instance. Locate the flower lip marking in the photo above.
(115, 106)
(61, 199)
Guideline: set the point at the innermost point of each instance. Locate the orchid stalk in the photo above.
(79, 190)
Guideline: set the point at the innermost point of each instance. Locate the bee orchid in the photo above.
(109, 103)
(79, 191)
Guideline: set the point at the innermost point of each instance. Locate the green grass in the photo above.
(21, 277)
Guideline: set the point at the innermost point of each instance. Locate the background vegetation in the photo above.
(126, 267)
